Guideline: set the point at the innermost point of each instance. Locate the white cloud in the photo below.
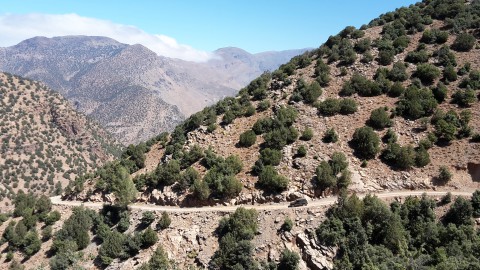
(15, 28)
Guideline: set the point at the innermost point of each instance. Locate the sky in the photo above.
(191, 29)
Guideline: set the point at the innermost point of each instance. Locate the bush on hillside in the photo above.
(427, 73)
(379, 119)
(434, 36)
(464, 98)
(348, 106)
(398, 72)
(330, 136)
(365, 142)
(396, 90)
(247, 138)
(270, 180)
(464, 42)
(361, 85)
(416, 103)
(307, 134)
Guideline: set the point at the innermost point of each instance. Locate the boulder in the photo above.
(316, 257)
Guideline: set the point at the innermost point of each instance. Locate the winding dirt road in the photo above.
(261, 207)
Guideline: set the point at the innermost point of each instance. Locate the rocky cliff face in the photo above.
(130, 90)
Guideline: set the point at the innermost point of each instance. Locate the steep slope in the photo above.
(291, 134)
(45, 142)
(103, 77)
(407, 90)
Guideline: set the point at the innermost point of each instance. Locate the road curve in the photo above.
(261, 207)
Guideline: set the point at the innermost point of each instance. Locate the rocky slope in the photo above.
(432, 121)
(131, 91)
(367, 78)
(45, 142)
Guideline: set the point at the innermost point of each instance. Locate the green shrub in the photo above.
(396, 90)
(449, 74)
(348, 106)
(398, 72)
(365, 142)
(247, 138)
(263, 105)
(434, 36)
(47, 233)
(338, 162)
(427, 73)
(147, 218)
(445, 57)
(53, 217)
(228, 118)
(444, 174)
(164, 221)
(112, 247)
(312, 92)
(307, 93)
(329, 107)
(398, 156)
(446, 199)
(367, 57)
(200, 190)
(361, 85)
(475, 200)
(464, 98)
(379, 119)
(270, 156)
(464, 42)
(385, 57)
(422, 157)
(124, 222)
(289, 260)
(324, 176)
(287, 225)
(390, 136)
(270, 180)
(187, 178)
(401, 43)
(330, 136)
(322, 73)
(278, 138)
(419, 56)
(149, 238)
(286, 115)
(307, 134)
(445, 131)
(235, 250)
(262, 125)
(363, 45)
(158, 261)
(416, 103)
(301, 151)
(473, 80)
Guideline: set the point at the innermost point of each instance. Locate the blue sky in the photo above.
(206, 25)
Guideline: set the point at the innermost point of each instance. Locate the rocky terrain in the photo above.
(45, 142)
(132, 92)
(392, 106)
(458, 155)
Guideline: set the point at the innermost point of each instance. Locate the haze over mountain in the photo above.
(134, 93)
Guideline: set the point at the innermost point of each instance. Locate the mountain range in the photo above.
(130, 90)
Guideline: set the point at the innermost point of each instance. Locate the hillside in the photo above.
(412, 81)
(391, 109)
(45, 142)
(132, 92)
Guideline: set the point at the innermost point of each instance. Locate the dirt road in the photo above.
(261, 207)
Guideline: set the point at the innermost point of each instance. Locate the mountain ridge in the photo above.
(90, 72)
